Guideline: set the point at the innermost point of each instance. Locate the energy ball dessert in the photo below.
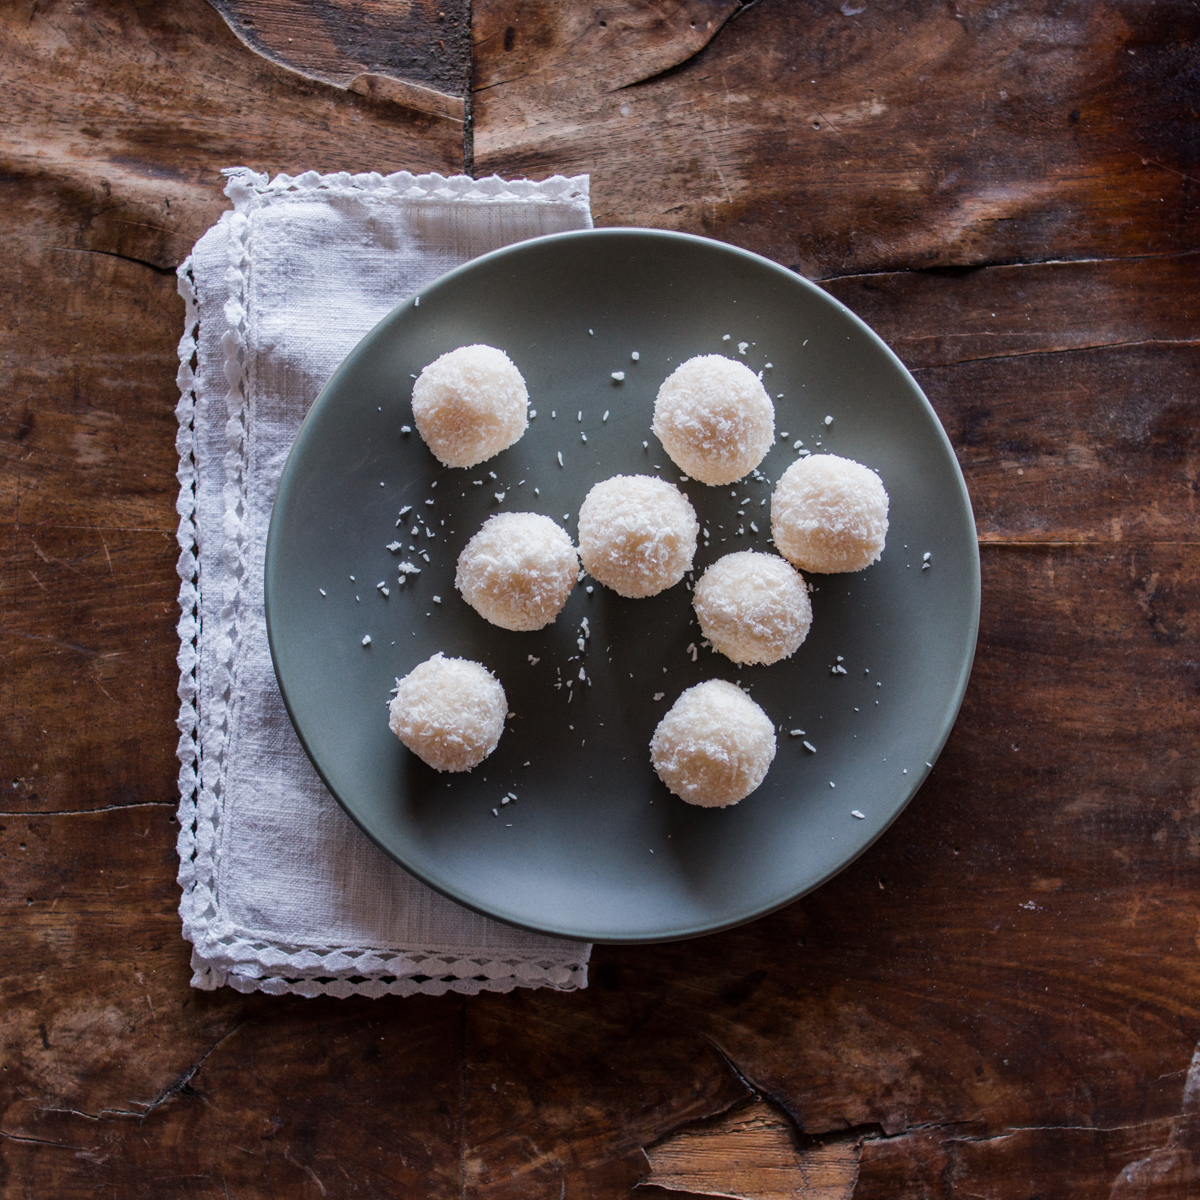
(829, 514)
(714, 418)
(518, 570)
(637, 534)
(714, 746)
(469, 405)
(449, 712)
(753, 607)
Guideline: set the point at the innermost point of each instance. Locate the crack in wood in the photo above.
(18, 1137)
(752, 1150)
(958, 362)
(683, 63)
(1002, 264)
(103, 1115)
(182, 1084)
(987, 541)
(334, 54)
(87, 812)
(141, 262)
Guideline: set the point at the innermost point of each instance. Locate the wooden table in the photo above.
(1000, 998)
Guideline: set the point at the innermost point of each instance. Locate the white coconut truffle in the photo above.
(753, 607)
(637, 534)
(470, 404)
(829, 514)
(449, 712)
(714, 746)
(518, 570)
(714, 418)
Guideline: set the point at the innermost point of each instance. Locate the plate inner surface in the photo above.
(594, 846)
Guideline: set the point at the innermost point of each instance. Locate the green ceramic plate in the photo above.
(594, 847)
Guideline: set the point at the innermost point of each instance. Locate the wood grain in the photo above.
(899, 136)
(148, 103)
(424, 42)
(967, 977)
(106, 190)
(752, 1152)
(999, 998)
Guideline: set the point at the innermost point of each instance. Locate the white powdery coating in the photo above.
(470, 404)
(753, 607)
(714, 418)
(829, 514)
(449, 712)
(714, 746)
(637, 534)
(518, 570)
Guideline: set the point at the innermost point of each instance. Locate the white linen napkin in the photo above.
(281, 892)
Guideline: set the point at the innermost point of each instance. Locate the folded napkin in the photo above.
(281, 892)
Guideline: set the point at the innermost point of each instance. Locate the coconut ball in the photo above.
(449, 712)
(714, 418)
(829, 514)
(714, 746)
(470, 404)
(753, 607)
(518, 570)
(637, 534)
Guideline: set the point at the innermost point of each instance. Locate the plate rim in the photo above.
(364, 346)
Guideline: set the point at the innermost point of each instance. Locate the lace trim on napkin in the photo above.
(247, 188)
(221, 956)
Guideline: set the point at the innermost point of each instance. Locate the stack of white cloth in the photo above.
(281, 892)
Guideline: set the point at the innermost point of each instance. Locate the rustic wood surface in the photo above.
(1001, 998)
